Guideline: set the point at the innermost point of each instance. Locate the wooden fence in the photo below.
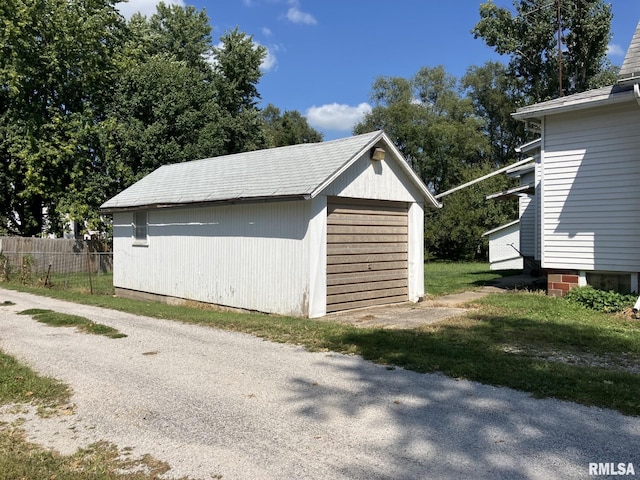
(53, 261)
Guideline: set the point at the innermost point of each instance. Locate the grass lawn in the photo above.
(441, 278)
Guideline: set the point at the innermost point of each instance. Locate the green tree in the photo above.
(236, 75)
(57, 71)
(163, 112)
(179, 98)
(530, 39)
(454, 232)
(495, 96)
(435, 126)
(290, 128)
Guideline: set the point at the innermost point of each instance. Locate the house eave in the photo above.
(572, 105)
(501, 227)
(211, 203)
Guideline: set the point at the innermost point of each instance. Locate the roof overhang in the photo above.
(529, 146)
(521, 170)
(229, 201)
(606, 96)
(513, 192)
(501, 227)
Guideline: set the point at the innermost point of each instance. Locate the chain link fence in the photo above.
(83, 271)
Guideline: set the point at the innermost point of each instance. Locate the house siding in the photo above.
(375, 180)
(586, 159)
(527, 216)
(502, 254)
(251, 256)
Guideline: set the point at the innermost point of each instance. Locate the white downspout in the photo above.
(636, 307)
(636, 93)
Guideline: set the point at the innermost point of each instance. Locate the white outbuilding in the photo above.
(300, 230)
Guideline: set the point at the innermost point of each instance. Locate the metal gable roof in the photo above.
(297, 171)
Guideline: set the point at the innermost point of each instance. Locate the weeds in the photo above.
(600, 300)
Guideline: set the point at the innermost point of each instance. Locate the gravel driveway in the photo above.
(216, 404)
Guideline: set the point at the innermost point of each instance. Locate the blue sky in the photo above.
(325, 54)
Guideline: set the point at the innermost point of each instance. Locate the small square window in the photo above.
(140, 227)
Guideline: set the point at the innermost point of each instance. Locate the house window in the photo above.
(140, 228)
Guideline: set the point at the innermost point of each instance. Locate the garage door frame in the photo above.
(367, 253)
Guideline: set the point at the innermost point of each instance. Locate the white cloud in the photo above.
(145, 7)
(336, 116)
(266, 31)
(295, 15)
(270, 61)
(615, 50)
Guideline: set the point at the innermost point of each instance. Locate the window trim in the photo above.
(140, 225)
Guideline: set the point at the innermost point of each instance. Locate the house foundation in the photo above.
(560, 282)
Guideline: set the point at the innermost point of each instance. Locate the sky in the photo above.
(324, 55)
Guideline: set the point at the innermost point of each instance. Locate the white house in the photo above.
(504, 247)
(511, 244)
(300, 230)
(587, 201)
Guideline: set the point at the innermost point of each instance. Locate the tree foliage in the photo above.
(57, 71)
(495, 96)
(433, 126)
(288, 128)
(90, 103)
(530, 39)
(440, 129)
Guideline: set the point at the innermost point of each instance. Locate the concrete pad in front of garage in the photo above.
(411, 315)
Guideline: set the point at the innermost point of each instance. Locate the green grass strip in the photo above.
(20, 384)
(57, 319)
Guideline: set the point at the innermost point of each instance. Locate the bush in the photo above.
(607, 302)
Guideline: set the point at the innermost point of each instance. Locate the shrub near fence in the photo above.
(57, 263)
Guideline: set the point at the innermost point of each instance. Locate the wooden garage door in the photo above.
(366, 253)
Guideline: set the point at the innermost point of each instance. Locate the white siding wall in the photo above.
(502, 255)
(538, 207)
(376, 180)
(251, 256)
(591, 190)
(316, 251)
(416, 251)
(527, 216)
(527, 225)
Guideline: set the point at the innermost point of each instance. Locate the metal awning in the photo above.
(513, 192)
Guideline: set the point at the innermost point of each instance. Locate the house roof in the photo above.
(630, 70)
(292, 172)
(501, 227)
(600, 96)
(522, 169)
